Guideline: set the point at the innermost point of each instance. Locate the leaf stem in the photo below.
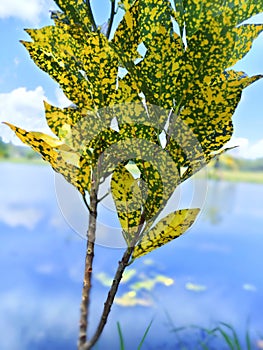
(90, 16)
(112, 14)
(85, 302)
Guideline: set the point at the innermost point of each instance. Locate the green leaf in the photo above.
(128, 201)
(167, 229)
(145, 335)
(120, 336)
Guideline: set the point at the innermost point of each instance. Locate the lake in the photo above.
(212, 273)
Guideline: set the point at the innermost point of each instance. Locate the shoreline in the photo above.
(220, 175)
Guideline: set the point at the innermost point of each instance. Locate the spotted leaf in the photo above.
(128, 201)
(210, 110)
(209, 52)
(160, 68)
(198, 164)
(46, 146)
(140, 24)
(167, 229)
(73, 83)
(76, 12)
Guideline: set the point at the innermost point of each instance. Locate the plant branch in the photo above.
(90, 16)
(112, 14)
(85, 302)
(86, 203)
(123, 263)
(103, 197)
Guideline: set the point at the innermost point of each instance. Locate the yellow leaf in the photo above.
(43, 144)
(167, 229)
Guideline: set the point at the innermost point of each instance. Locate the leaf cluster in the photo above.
(166, 111)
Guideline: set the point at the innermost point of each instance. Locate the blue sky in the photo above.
(23, 86)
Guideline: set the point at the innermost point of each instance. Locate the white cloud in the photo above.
(25, 109)
(62, 100)
(27, 10)
(255, 150)
(26, 217)
(246, 149)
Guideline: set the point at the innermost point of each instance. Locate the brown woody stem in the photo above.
(85, 302)
(123, 263)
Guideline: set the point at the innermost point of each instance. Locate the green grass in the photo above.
(121, 338)
(222, 337)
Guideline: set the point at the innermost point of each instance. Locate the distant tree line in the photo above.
(228, 162)
(9, 150)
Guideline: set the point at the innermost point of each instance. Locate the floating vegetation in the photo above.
(195, 287)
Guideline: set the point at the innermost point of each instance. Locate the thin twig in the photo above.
(103, 197)
(85, 302)
(85, 202)
(112, 14)
(90, 16)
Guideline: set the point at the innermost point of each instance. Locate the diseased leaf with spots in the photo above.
(128, 201)
(167, 229)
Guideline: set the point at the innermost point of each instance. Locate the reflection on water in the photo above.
(211, 274)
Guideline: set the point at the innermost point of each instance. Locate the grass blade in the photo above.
(145, 334)
(235, 337)
(120, 336)
(248, 341)
(227, 338)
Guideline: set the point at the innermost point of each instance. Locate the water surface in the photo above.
(212, 273)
